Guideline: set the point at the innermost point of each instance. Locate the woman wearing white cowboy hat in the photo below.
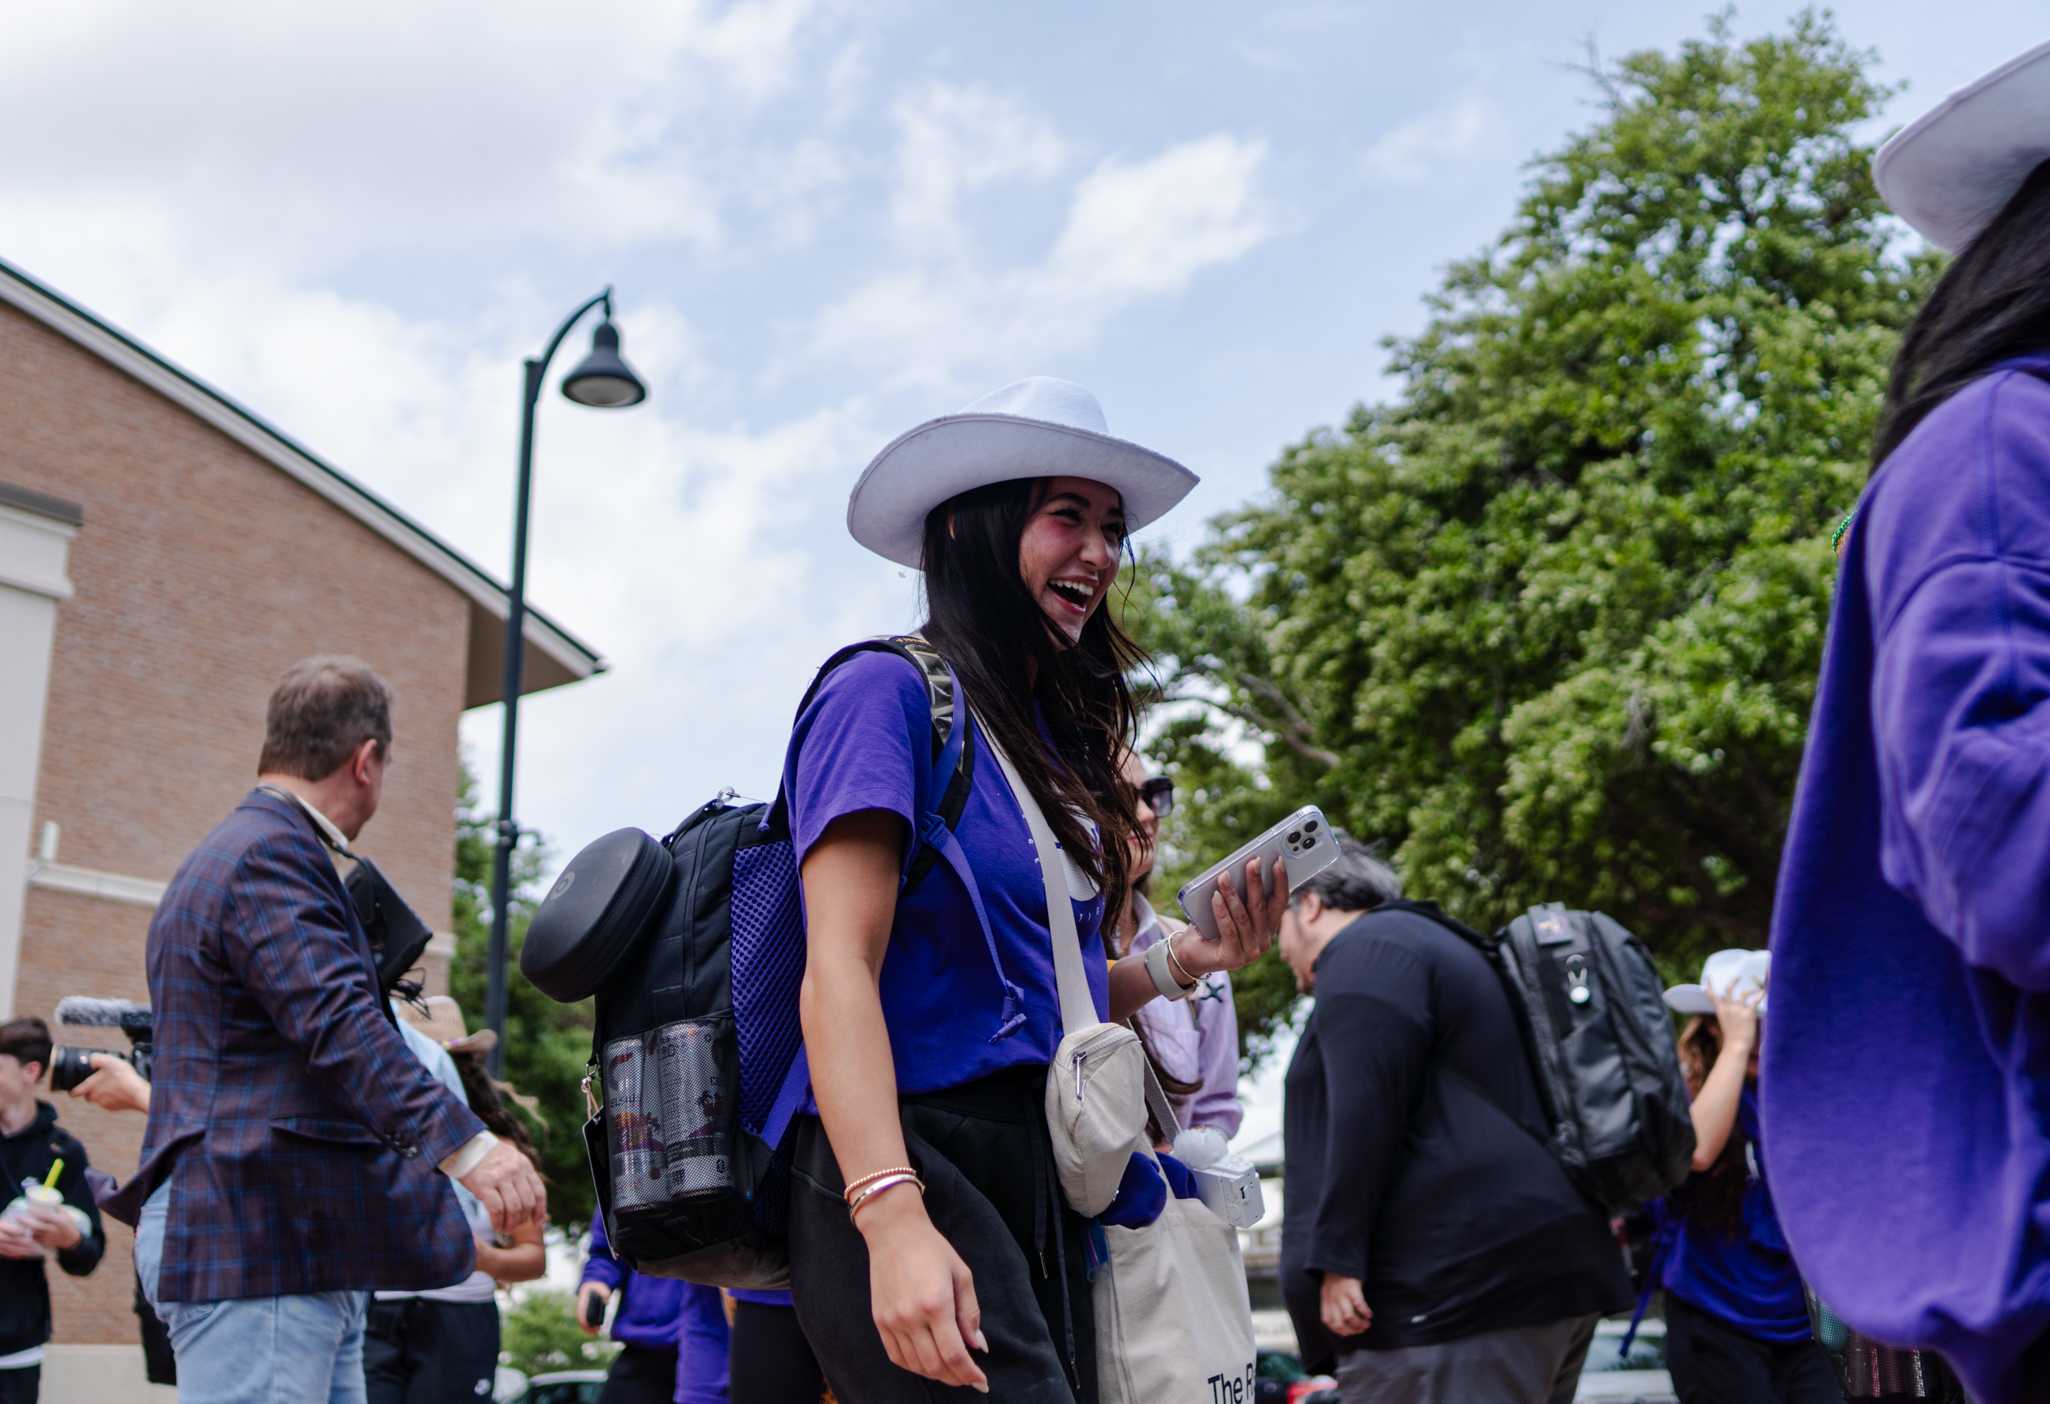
(1737, 1323)
(973, 1273)
(1908, 934)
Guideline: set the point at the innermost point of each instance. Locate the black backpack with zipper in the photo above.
(1594, 1023)
(694, 947)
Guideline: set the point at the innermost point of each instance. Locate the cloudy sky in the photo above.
(826, 221)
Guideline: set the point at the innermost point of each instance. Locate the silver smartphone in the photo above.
(1302, 841)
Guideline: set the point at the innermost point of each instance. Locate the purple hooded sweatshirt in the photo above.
(1907, 1056)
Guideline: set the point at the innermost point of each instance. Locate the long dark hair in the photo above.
(1714, 1200)
(486, 1099)
(1008, 656)
(1991, 304)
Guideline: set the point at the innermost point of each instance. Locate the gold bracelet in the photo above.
(885, 1182)
(1181, 972)
(854, 1186)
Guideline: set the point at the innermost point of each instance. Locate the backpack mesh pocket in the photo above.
(667, 1115)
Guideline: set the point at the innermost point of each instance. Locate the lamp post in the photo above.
(602, 381)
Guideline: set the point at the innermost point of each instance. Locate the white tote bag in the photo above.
(1173, 1321)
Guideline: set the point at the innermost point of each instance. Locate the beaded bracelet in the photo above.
(881, 1184)
(854, 1186)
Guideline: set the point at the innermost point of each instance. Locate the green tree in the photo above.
(546, 1044)
(1548, 621)
(539, 1334)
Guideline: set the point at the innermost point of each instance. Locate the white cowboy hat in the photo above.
(1038, 427)
(1731, 974)
(1949, 172)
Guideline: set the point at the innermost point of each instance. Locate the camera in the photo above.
(70, 1066)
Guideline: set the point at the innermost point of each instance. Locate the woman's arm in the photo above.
(523, 1262)
(1715, 1106)
(1245, 929)
(921, 1292)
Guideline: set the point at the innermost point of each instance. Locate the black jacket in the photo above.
(24, 1292)
(1407, 1166)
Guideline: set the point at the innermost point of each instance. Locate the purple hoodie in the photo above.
(1907, 1055)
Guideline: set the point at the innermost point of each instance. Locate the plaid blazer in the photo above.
(299, 1134)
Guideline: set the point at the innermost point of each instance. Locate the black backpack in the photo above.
(1600, 1042)
(694, 948)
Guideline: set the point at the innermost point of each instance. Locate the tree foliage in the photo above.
(539, 1334)
(1547, 622)
(546, 1044)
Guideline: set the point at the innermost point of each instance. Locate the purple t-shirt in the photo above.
(1907, 1054)
(865, 743)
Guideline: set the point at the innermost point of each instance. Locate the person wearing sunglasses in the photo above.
(1194, 1042)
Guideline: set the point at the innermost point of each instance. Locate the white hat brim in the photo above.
(945, 457)
(1689, 999)
(1949, 172)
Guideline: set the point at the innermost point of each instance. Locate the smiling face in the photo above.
(1068, 552)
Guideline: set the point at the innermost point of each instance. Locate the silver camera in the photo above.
(1231, 1189)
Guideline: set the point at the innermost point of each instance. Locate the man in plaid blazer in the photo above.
(297, 1154)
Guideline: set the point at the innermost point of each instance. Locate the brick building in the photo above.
(164, 554)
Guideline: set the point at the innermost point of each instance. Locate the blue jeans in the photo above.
(255, 1350)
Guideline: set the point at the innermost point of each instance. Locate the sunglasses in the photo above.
(1159, 795)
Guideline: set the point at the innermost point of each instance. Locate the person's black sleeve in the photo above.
(1374, 1027)
(83, 1256)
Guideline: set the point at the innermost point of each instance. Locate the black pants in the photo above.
(983, 1153)
(21, 1386)
(417, 1351)
(640, 1375)
(770, 1361)
(1712, 1362)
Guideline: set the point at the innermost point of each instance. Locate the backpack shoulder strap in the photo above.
(953, 769)
(953, 749)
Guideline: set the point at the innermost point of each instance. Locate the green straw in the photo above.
(56, 1169)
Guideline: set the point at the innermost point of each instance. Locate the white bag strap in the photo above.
(1078, 1010)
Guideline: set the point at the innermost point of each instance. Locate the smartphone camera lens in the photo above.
(1295, 836)
(1310, 827)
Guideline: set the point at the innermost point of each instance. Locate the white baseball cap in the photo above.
(1730, 973)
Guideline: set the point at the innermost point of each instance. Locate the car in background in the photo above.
(563, 1387)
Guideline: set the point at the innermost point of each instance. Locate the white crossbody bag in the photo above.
(1173, 1321)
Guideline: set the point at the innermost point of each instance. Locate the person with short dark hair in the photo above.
(289, 1163)
(31, 1145)
(1434, 1250)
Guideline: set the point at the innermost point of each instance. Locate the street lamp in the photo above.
(602, 380)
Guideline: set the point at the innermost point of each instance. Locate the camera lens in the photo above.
(68, 1066)
(1295, 836)
(1310, 827)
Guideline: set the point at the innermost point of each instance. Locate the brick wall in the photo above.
(202, 572)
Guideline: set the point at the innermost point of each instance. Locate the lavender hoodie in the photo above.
(1907, 1056)
(1196, 1040)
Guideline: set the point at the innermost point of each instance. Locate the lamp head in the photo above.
(603, 379)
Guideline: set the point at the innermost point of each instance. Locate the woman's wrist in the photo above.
(890, 1211)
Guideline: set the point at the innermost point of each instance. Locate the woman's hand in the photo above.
(1246, 926)
(1738, 1018)
(585, 1294)
(922, 1294)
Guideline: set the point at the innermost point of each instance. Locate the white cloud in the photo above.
(1133, 230)
(1416, 150)
(953, 141)
(416, 128)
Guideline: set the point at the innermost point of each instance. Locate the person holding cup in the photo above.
(54, 1214)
